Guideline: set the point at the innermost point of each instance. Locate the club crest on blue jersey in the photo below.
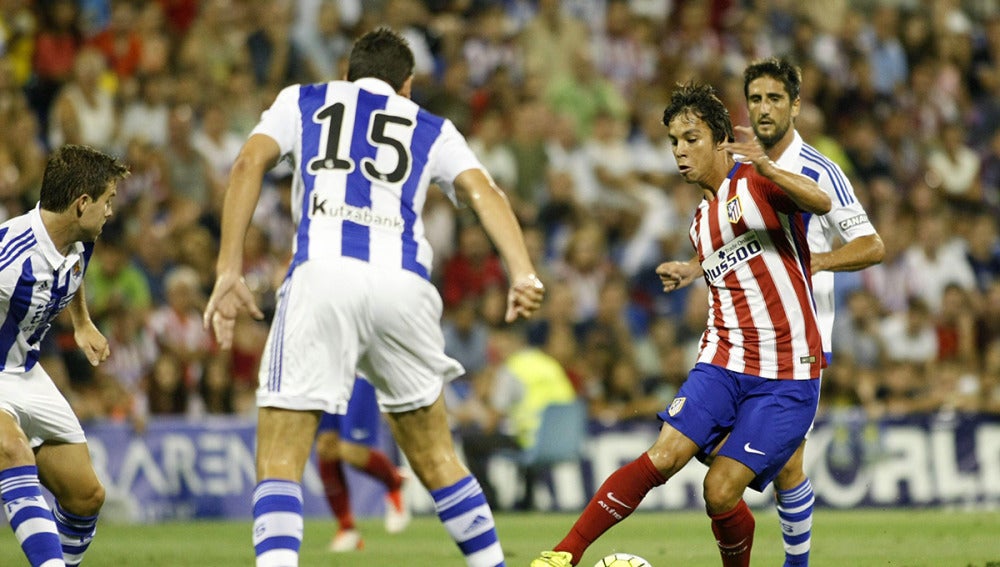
(734, 210)
(77, 269)
(676, 406)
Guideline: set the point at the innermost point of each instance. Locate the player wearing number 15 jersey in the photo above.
(357, 295)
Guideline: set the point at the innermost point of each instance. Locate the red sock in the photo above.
(380, 467)
(337, 494)
(734, 533)
(618, 497)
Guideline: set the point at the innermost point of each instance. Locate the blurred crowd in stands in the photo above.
(562, 101)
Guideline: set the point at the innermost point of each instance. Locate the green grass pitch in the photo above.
(857, 538)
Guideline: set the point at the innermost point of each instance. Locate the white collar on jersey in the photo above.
(45, 244)
(791, 153)
(374, 85)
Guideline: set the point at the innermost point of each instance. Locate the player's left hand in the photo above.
(524, 297)
(750, 150)
(92, 343)
(229, 298)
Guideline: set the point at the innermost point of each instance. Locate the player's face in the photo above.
(97, 213)
(693, 148)
(771, 110)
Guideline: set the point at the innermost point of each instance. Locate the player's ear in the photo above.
(407, 87)
(81, 204)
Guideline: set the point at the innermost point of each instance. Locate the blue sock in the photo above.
(277, 523)
(795, 511)
(75, 534)
(467, 517)
(30, 517)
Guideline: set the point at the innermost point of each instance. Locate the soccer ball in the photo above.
(622, 560)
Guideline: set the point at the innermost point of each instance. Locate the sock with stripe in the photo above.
(30, 516)
(75, 534)
(468, 519)
(277, 523)
(331, 471)
(795, 513)
(734, 534)
(614, 501)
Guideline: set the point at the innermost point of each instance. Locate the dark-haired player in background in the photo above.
(43, 258)
(756, 379)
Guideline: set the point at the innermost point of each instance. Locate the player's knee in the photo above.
(327, 447)
(790, 477)
(85, 500)
(721, 493)
(14, 447)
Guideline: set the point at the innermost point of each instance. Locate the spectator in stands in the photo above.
(120, 41)
(909, 336)
(57, 43)
(938, 259)
(955, 170)
(84, 111)
(472, 269)
(177, 329)
(113, 281)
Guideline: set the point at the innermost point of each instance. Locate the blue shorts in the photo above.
(766, 420)
(362, 421)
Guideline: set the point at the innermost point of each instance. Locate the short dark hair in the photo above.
(73, 171)
(381, 54)
(778, 69)
(701, 100)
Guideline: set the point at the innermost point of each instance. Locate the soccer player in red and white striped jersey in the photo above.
(761, 355)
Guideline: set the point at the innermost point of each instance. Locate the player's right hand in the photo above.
(524, 297)
(230, 297)
(675, 275)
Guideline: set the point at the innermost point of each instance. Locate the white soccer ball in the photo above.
(622, 560)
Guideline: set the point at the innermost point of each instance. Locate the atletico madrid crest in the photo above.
(676, 406)
(734, 210)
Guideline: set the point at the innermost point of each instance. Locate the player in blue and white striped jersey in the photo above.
(43, 257)
(358, 295)
(771, 87)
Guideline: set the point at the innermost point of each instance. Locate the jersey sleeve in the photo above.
(847, 218)
(281, 120)
(451, 156)
(771, 192)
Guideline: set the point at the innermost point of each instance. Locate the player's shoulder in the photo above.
(818, 166)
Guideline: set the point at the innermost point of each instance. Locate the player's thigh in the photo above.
(39, 408)
(405, 360)
(794, 472)
(67, 471)
(704, 409)
(772, 421)
(284, 442)
(671, 450)
(360, 424)
(321, 322)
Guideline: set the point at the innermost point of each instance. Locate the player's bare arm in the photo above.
(855, 255)
(805, 192)
(676, 275)
(90, 340)
(476, 189)
(231, 296)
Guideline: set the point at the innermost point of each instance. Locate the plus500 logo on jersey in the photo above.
(733, 254)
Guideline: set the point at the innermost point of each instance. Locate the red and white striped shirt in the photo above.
(752, 247)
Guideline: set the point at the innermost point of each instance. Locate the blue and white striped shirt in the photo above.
(364, 158)
(36, 283)
(846, 221)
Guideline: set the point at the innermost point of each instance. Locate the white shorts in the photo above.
(338, 316)
(38, 407)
